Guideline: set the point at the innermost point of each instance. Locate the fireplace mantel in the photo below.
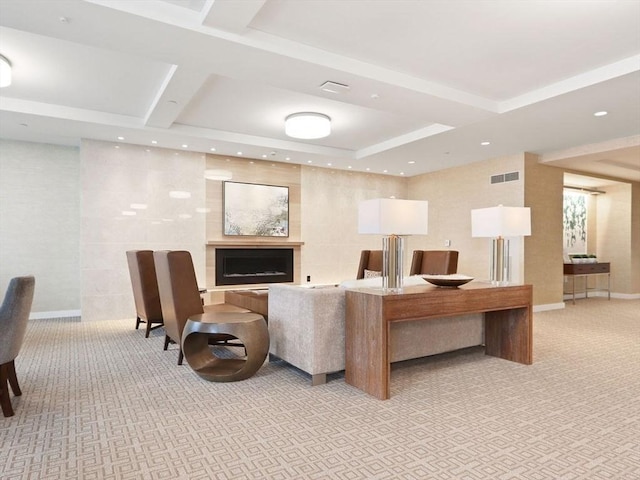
(252, 243)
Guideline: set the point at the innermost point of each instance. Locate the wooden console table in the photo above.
(370, 312)
(256, 300)
(574, 270)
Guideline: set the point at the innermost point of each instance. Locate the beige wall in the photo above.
(452, 194)
(40, 223)
(323, 213)
(75, 237)
(614, 236)
(111, 180)
(543, 188)
(330, 201)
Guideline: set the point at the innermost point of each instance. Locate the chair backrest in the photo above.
(178, 287)
(369, 260)
(434, 262)
(144, 283)
(14, 314)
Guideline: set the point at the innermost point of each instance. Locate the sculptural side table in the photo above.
(249, 328)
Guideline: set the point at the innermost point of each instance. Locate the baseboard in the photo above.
(548, 306)
(55, 314)
(603, 294)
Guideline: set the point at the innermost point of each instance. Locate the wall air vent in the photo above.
(505, 177)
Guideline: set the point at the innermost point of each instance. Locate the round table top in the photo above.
(226, 317)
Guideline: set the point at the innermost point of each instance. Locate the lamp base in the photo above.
(500, 262)
(392, 247)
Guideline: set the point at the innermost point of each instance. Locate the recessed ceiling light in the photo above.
(601, 113)
(239, 153)
(309, 161)
(411, 162)
(329, 164)
(264, 155)
(368, 169)
(128, 213)
(184, 145)
(287, 158)
(385, 171)
(349, 166)
(401, 173)
(120, 138)
(138, 206)
(485, 143)
(212, 149)
(154, 141)
(117, 146)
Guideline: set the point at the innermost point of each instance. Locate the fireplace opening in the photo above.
(240, 266)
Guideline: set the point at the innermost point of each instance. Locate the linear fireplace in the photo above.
(241, 266)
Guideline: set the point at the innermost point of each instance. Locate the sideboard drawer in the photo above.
(585, 268)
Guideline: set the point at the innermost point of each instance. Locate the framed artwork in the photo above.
(255, 210)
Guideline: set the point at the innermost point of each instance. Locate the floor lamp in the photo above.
(498, 223)
(393, 218)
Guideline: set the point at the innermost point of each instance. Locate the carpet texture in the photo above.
(102, 402)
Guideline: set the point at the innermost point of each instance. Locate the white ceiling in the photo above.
(429, 79)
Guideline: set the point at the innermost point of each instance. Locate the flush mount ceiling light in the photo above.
(307, 125)
(5, 71)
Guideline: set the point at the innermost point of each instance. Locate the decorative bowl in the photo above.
(454, 280)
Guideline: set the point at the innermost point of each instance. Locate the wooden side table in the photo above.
(249, 328)
(574, 270)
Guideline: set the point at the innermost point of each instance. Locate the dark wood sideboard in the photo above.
(574, 270)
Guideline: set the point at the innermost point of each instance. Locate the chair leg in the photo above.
(5, 401)
(146, 334)
(138, 320)
(167, 340)
(180, 357)
(13, 379)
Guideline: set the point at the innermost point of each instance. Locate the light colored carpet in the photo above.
(101, 401)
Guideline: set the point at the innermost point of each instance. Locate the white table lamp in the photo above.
(497, 223)
(393, 218)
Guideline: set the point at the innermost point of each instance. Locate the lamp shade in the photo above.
(390, 216)
(307, 125)
(501, 222)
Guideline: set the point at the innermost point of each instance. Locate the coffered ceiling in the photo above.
(429, 80)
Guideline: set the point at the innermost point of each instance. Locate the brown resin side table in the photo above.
(249, 328)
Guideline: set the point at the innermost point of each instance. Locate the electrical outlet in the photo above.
(308, 278)
(447, 243)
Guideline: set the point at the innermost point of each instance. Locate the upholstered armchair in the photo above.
(371, 261)
(14, 314)
(144, 283)
(434, 262)
(180, 298)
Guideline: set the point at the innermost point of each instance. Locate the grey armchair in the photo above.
(14, 314)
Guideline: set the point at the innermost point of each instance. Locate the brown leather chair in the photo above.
(370, 260)
(180, 298)
(142, 271)
(434, 262)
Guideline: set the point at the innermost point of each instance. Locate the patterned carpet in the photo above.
(101, 401)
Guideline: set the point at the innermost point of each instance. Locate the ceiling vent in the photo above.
(333, 87)
(505, 177)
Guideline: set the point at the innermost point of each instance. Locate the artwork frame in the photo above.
(255, 210)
